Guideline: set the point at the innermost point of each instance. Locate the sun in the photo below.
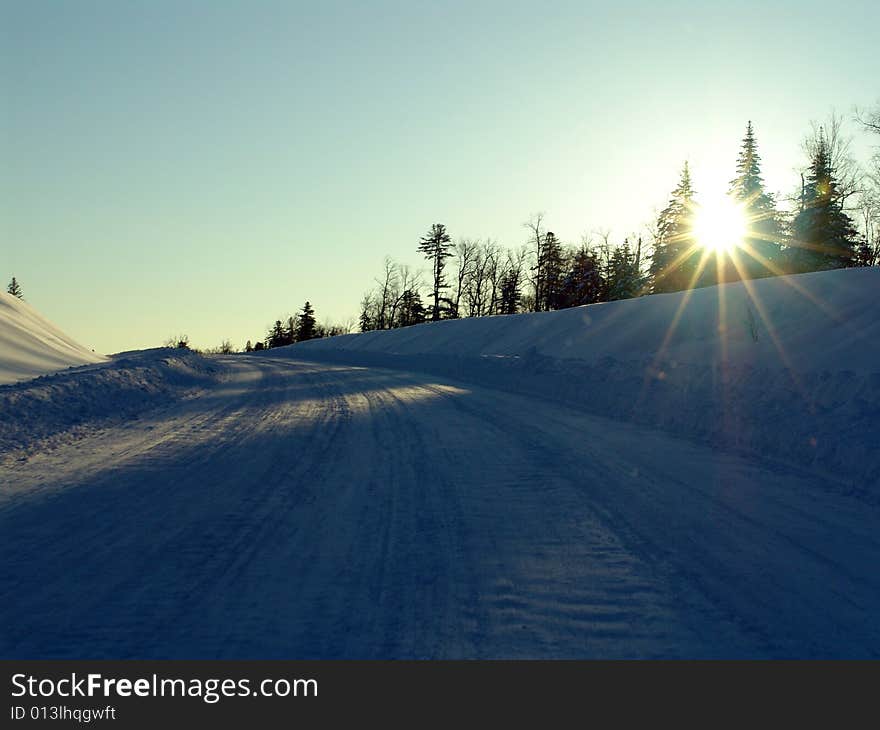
(720, 224)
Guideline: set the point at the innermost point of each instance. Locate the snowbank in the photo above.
(785, 368)
(60, 407)
(30, 345)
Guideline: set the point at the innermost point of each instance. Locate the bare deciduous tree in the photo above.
(480, 286)
(535, 226)
(406, 283)
(387, 283)
(464, 254)
(870, 119)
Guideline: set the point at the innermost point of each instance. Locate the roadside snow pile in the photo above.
(66, 404)
(30, 345)
(784, 367)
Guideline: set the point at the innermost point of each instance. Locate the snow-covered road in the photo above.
(301, 510)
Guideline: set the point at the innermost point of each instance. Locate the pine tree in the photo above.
(411, 310)
(276, 336)
(437, 247)
(549, 273)
(305, 329)
(583, 283)
(764, 231)
(674, 261)
(14, 288)
(511, 293)
(622, 276)
(248, 347)
(824, 236)
(365, 321)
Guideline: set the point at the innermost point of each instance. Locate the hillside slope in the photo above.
(785, 367)
(821, 321)
(30, 345)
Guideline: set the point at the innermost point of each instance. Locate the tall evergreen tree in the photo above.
(583, 283)
(411, 310)
(623, 276)
(511, 292)
(367, 317)
(674, 261)
(824, 236)
(277, 336)
(764, 231)
(549, 273)
(437, 247)
(305, 327)
(14, 288)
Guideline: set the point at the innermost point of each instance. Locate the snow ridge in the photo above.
(60, 407)
(785, 368)
(30, 345)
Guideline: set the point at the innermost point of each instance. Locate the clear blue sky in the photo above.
(205, 167)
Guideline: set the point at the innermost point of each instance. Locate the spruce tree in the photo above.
(622, 277)
(276, 336)
(14, 288)
(674, 261)
(549, 272)
(305, 329)
(762, 242)
(437, 247)
(824, 236)
(365, 321)
(584, 283)
(511, 293)
(411, 310)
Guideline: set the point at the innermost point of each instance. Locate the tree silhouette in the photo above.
(437, 247)
(764, 235)
(549, 274)
(823, 234)
(673, 264)
(305, 329)
(410, 311)
(277, 336)
(14, 288)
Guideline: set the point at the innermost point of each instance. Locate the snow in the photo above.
(30, 345)
(822, 321)
(785, 368)
(525, 486)
(62, 407)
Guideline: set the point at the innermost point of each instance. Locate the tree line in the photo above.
(298, 328)
(834, 223)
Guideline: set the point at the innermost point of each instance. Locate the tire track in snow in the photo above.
(601, 603)
(331, 511)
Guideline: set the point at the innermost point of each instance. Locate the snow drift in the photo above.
(52, 409)
(785, 367)
(30, 345)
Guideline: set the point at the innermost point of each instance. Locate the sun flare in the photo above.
(720, 225)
